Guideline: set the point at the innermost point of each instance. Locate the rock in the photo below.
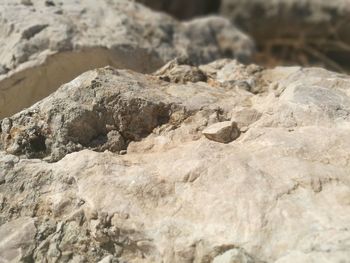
(108, 259)
(279, 193)
(313, 29)
(234, 256)
(245, 116)
(46, 44)
(104, 109)
(177, 71)
(77, 259)
(223, 132)
(17, 240)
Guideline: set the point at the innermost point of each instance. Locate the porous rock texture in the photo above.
(47, 43)
(301, 31)
(279, 193)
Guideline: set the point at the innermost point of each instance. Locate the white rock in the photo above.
(44, 46)
(223, 132)
(233, 256)
(17, 239)
(279, 193)
(107, 259)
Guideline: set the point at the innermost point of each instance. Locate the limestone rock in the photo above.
(179, 71)
(106, 109)
(234, 256)
(223, 132)
(108, 259)
(278, 193)
(17, 240)
(46, 45)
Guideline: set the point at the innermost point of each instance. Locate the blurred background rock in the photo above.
(286, 32)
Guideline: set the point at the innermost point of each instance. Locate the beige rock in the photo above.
(17, 240)
(233, 256)
(78, 115)
(245, 116)
(223, 132)
(280, 192)
(46, 45)
(107, 259)
(178, 71)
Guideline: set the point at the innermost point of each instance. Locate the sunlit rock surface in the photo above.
(45, 44)
(114, 167)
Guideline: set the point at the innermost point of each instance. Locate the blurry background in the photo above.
(286, 32)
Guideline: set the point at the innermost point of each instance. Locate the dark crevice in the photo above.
(32, 31)
(37, 144)
(184, 9)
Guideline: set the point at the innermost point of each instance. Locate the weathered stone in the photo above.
(45, 45)
(245, 116)
(106, 109)
(177, 71)
(234, 256)
(223, 132)
(108, 259)
(17, 240)
(277, 193)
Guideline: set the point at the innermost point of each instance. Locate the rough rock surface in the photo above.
(223, 132)
(47, 43)
(279, 193)
(17, 239)
(313, 31)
